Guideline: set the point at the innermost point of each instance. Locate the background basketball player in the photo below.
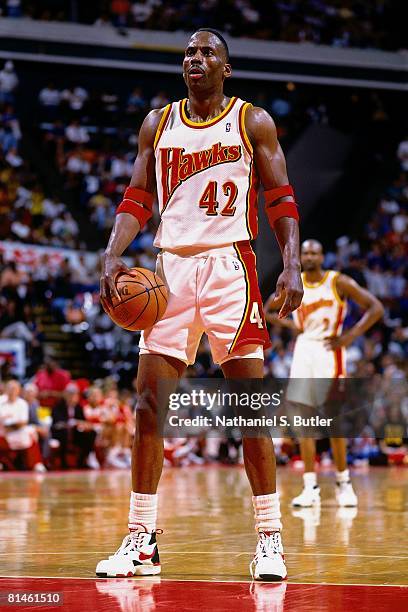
(204, 154)
(320, 354)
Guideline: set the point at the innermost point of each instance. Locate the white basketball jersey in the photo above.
(322, 312)
(207, 187)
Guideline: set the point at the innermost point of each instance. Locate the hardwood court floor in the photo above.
(58, 525)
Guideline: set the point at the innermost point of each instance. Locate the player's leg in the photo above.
(260, 466)
(259, 455)
(345, 494)
(310, 495)
(138, 554)
(147, 451)
(301, 399)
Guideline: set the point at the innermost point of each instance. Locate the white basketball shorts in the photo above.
(214, 292)
(313, 370)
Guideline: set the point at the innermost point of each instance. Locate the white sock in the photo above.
(142, 511)
(267, 512)
(309, 480)
(343, 476)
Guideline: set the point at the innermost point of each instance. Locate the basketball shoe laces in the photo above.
(134, 541)
(268, 546)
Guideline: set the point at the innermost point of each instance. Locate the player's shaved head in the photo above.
(220, 38)
(311, 255)
(211, 38)
(313, 245)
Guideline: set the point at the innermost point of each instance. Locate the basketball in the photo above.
(143, 300)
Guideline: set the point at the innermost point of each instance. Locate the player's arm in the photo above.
(280, 207)
(133, 211)
(347, 288)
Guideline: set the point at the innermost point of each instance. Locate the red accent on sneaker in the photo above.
(144, 557)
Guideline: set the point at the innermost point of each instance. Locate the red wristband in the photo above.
(284, 209)
(138, 203)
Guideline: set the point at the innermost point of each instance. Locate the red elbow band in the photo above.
(138, 203)
(284, 209)
(278, 192)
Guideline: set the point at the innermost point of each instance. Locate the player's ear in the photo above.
(227, 71)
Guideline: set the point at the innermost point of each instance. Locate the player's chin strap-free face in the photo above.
(137, 202)
(275, 209)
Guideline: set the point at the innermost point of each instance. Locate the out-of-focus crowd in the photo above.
(54, 422)
(341, 23)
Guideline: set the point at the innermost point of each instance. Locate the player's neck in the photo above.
(314, 276)
(206, 106)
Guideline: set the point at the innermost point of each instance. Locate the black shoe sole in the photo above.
(271, 578)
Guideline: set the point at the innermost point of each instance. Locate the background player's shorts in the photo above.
(214, 291)
(313, 370)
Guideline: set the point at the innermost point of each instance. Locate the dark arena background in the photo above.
(76, 81)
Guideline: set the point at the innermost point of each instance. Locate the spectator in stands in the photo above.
(13, 158)
(142, 10)
(49, 99)
(51, 381)
(402, 154)
(8, 83)
(76, 133)
(136, 104)
(31, 397)
(159, 100)
(101, 207)
(14, 8)
(71, 429)
(74, 99)
(120, 12)
(65, 230)
(21, 438)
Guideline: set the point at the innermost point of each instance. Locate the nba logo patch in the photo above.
(228, 127)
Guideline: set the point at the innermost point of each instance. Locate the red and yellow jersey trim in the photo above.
(339, 300)
(162, 125)
(315, 285)
(242, 129)
(200, 126)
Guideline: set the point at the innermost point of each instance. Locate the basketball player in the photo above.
(204, 156)
(320, 353)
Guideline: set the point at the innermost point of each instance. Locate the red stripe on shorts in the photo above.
(250, 333)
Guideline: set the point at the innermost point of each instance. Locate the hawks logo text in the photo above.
(178, 166)
(306, 309)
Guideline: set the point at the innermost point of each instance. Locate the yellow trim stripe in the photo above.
(247, 299)
(334, 288)
(211, 121)
(318, 284)
(244, 134)
(161, 125)
(248, 203)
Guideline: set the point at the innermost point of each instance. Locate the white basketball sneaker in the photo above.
(138, 555)
(345, 496)
(269, 563)
(310, 496)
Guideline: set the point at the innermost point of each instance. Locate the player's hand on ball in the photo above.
(289, 284)
(111, 266)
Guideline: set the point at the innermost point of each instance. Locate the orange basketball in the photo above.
(143, 300)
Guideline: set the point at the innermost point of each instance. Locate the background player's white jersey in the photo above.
(206, 181)
(322, 312)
